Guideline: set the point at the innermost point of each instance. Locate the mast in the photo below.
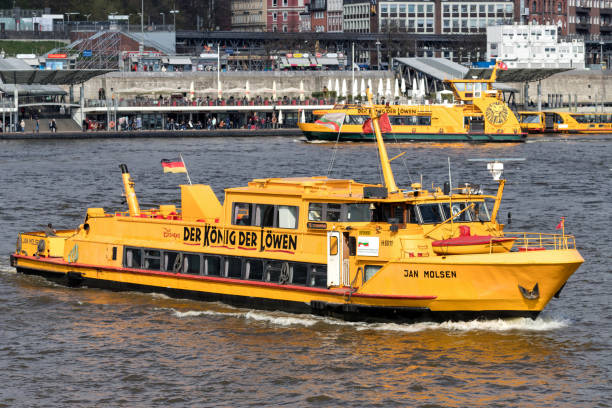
(384, 159)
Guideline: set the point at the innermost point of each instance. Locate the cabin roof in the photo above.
(312, 187)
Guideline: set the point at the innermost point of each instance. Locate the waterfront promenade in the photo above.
(134, 134)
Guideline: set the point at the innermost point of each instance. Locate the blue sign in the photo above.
(87, 53)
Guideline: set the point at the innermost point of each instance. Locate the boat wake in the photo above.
(541, 324)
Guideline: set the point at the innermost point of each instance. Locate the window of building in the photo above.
(274, 3)
(274, 15)
(285, 3)
(285, 16)
(284, 29)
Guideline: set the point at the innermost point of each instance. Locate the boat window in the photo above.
(457, 207)
(424, 120)
(315, 210)
(299, 274)
(265, 215)
(412, 217)
(355, 119)
(273, 271)
(132, 258)
(430, 213)
(318, 276)
(152, 259)
(369, 271)
(333, 245)
(333, 213)
(241, 214)
(254, 269)
(170, 261)
(358, 212)
(191, 264)
(233, 267)
(287, 216)
(460, 86)
(212, 265)
(480, 212)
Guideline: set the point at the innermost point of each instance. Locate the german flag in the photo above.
(173, 165)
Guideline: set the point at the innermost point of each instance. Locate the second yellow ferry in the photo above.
(333, 247)
(565, 122)
(479, 115)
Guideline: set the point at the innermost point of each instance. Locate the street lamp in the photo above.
(174, 13)
(72, 13)
(163, 18)
(378, 53)
(601, 44)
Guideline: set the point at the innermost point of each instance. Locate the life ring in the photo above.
(284, 274)
(111, 125)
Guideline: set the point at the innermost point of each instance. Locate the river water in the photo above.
(86, 347)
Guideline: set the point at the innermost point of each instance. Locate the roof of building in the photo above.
(16, 71)
(516, 74)
(32, 90)
(438, 68)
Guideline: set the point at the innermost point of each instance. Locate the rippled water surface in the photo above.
(86, 347)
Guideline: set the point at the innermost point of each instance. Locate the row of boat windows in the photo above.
(284, 216)
(593, 118)
(431, 213)
(253, 269)
(406, 120)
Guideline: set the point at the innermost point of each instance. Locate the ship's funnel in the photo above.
(130, 193)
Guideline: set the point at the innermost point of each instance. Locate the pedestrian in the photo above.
(37, 126)
(53, 126)
(22, 125)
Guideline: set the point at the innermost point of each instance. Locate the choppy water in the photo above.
(86, 347)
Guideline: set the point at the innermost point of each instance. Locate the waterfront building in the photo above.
(533, 46)
(358, 16)
(283, 15)
(249, 15)
(322, 16)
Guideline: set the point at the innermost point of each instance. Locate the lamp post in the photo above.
(141, 45)
(601, 56)
(72, 13)
(174, 13)
(163, 18)
(378, 53)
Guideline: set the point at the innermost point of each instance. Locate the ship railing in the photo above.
(537, 241)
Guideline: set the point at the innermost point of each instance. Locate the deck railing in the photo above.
(534, 241)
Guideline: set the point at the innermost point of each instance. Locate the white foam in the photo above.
(498, 325)
(196, 313)
(282, 320)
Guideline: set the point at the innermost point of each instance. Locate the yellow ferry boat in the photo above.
(480, 115)
(332, 247)
(565, 122)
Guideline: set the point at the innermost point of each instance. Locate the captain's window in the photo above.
(358, 212)
(430, 213)
(315, 211)
(480, 212)
(334, 212)
(242, 214)
(455, 209)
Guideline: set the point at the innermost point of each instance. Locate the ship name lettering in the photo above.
(411, 274)
(192, 234)
(280, 241)
(169, 234)
(440, 274)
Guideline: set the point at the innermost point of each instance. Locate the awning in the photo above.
(299, 62)
(32, 90)
(179, 61)
(328, 61)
